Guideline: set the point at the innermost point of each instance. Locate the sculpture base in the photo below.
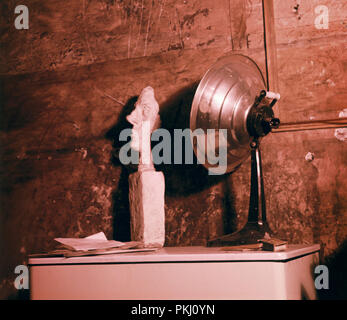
(249, 234)
(147, 212)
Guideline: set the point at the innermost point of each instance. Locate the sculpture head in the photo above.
(145, 114)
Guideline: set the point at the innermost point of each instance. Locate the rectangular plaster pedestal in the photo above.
(147, 212)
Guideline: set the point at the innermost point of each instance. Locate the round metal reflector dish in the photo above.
(222, 101)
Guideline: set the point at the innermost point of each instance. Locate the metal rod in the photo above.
(311, 125)
(270, 45)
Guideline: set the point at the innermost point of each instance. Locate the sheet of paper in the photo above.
(97, 236)
(128, 247)
(103, 252)
(93, 242)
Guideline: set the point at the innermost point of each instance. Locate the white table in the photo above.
(179, 273)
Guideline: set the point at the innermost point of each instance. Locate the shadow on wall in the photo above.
(120, 200)
(180, 179)
(175, 114)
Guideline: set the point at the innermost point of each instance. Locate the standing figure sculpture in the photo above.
(147, 186)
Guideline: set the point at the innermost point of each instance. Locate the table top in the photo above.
(184, 254)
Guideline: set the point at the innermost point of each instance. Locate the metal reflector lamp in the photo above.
(232, 96)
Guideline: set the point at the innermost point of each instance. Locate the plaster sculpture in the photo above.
(147, 186)
(145, 119)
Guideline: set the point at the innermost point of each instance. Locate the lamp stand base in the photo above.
(249, 234)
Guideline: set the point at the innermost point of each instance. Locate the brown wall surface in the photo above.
(65, 87)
